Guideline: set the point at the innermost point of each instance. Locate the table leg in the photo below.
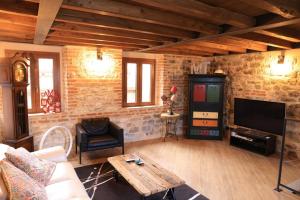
(166, 130)
(116, 175)
(171, 194)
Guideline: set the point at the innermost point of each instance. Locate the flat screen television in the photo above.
(260, 115)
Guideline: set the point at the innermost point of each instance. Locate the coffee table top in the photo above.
(149, 178)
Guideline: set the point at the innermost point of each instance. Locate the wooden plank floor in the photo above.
(214, 168)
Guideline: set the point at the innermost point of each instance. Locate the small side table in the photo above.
(170, 123)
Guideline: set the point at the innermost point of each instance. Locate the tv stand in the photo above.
(255, 141)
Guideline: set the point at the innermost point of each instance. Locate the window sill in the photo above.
(141, 107)
(42, 114)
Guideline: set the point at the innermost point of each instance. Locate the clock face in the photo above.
(20, 72)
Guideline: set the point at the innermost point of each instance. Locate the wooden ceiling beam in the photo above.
(271, 41)
(285, 8)
(75, 43)
(75, 28)
(100, 38)
(17, 20)
(202, 48)
(270, 24)
(182, 52)
(46, 15)
(91, 19)
(201, 10)
(16, 28)
(282, 33)
(140, 13)
(221, 46)
(240, 42)
(12, 34)
(14, 39)
(100, 43)
(19, 8)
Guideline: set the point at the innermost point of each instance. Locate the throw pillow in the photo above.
(40, 170)
(19, 185)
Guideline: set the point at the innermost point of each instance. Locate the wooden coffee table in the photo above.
(147, 179)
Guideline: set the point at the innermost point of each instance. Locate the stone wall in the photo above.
(89, 92)
(249, 76)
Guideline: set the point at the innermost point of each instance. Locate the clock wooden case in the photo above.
(14, 92)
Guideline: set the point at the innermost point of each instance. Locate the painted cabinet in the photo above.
(206, 106)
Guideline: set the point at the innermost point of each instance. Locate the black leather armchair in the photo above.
(91, 139)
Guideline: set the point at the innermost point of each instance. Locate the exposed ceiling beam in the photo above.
(286, 8)
(19, 8)
(75, 28)
(182, 52)
(46, 15)
(282, 33)
(117, 23)
(221, 46)
(271, 41)
(202, 48)
(239, 42)
(17, 20)
(274, 23)
(141, 13)
(100, 43)
(99, 38)
(16, 28)
(201, 10)
(76, 43)
(13, 39)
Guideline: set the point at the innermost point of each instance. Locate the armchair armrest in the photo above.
(116, 132)
(81, 134)
(56, 154)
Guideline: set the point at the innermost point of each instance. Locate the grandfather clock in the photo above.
(14, 92)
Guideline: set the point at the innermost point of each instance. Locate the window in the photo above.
(138, 82)
(43, 75)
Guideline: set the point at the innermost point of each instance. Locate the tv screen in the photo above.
(260, 115)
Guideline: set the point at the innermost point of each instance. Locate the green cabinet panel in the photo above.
(213, 93)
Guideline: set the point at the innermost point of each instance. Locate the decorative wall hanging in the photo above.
(50, 102)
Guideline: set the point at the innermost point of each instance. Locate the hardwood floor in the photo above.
(214, 168)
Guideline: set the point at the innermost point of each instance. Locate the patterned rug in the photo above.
(100, 184)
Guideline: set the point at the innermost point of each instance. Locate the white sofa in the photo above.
(64, 184)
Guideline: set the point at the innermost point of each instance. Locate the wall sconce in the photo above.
(99, 65)
(99, 54)
(281, 67)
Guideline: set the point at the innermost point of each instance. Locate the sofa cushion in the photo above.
(63, 171)
(40, 170)
(3, 190)
(19, 184)
(66, 190)
(97, 126)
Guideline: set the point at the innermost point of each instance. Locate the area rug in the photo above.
(100, 184)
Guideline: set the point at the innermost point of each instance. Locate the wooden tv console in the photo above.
(255, 141)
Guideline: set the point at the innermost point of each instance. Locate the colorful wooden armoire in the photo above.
(206, 106)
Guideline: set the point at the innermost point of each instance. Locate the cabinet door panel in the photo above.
(205, 123)
(205, 115)
(213, 93)
(199, 93)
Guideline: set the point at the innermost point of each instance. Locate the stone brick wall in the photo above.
(89, 92)
(249, 77)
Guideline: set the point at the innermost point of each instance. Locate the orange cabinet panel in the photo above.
(207, 123)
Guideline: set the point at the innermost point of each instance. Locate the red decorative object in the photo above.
(173, 89)
(170, 100)
(50, 102)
